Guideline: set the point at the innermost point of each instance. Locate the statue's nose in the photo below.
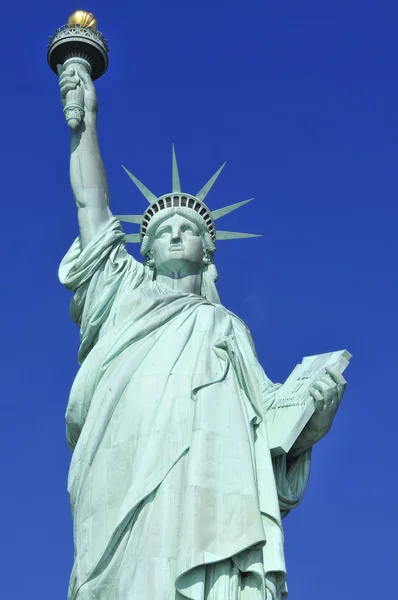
(176, 235)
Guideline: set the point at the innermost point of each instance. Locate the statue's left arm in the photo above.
(292, 469)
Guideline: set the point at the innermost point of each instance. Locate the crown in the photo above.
(186, 202)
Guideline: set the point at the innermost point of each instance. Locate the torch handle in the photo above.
(74, 105)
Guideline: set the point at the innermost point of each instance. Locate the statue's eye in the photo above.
(189, 230)
(162, 233)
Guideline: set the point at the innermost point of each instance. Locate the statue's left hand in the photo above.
(327, 393)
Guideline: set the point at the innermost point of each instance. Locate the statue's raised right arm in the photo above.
(87, 173)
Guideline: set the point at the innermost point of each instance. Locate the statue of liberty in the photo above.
(174, 491)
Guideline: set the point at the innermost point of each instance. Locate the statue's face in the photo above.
(178, 247)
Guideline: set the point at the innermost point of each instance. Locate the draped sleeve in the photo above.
(291, 476)
(96, 274)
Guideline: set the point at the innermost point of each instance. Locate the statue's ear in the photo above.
(149, 260)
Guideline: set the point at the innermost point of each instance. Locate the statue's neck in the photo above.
(185, 284)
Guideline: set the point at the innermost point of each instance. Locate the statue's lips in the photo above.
(176, 248)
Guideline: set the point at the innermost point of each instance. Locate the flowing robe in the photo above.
(173, 490)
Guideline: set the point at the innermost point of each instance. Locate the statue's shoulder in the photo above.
(238, 322)
(242, 331)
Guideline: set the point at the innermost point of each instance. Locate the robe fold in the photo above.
(173, 490)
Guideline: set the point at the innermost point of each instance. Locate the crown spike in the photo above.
(220, 212)
(233, 235)
(143, 189)
(130, 218)
(207, 187)
(176, 185)
(133, 238)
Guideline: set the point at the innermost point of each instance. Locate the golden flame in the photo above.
(84, 19)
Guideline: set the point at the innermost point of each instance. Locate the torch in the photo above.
(78, 44)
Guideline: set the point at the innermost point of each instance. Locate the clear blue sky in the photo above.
(301, 99)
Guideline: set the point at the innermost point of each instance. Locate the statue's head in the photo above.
(178, 232)
(178, 243)
(177, 240)
(184, 226)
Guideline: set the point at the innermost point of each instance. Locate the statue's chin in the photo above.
(178, 265)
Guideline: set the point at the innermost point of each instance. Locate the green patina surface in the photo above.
(175, 490)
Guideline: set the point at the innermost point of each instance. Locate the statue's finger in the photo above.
(69, 81)
(67, 73)
(67, 76)
(60, 70)
(319, 401)
(85, 77)
(321, 386)
(67, 87)
(315, 393)
(341, 390)
(336, 375)
(327, 380)
(333, 397)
